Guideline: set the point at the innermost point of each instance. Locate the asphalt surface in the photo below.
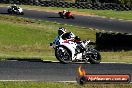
(51, 71)
(84, 21)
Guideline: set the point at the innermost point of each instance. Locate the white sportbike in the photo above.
(67, 51)
(18, 11)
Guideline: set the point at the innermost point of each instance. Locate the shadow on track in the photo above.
(5, 13)
(54, 17)
(9, 14)
(34, 59)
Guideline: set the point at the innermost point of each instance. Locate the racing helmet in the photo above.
(14, 4)
(64, 10)
(61, 31)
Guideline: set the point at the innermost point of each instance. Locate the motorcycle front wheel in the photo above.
(72, 17)
(22, 13)
(63, 54)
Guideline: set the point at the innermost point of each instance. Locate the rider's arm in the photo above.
(56, 39)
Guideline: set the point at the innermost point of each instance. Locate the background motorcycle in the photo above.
(18, 11)
(66, 52)
(67, 15)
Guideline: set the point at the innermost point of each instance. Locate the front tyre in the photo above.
(94, 56)
(63, 54)
(22, 13)
(72, 17)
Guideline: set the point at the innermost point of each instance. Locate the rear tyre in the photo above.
(63, 54)
(94, 57)
(61, 15)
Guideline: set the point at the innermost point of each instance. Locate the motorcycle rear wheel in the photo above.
(9, 11)
(61, 15)
(63, 54)
(94, 57)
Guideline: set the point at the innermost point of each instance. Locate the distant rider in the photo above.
(14, 7)
(64, 12)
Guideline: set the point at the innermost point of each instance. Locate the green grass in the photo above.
(22, 38)
(127, 15)
(59, 85)
(120, 56)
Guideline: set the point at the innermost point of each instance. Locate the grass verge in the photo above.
(22, 38)
(59, 85)
(126, 15)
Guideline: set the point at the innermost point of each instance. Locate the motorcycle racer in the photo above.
(15, 10)
(69, 48)
(62, 32)
(14, 7)
(64, 12)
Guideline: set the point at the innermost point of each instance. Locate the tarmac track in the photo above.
(84, 21)
(35, 70)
